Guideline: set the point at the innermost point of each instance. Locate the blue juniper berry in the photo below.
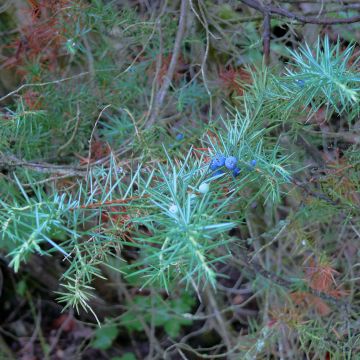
(213, 166)
(236, 172)
(230, 162)
(179, 136)
(253, 163)
(217, 161)
(301, 83)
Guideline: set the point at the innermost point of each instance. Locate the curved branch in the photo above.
(160, 97)
(270, 9)
(266, 38)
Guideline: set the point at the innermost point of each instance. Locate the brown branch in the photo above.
(299, 2)
(7, 162)
(270, 9)
(222, 328)
(160, 97)
(43, 84)
(266, 37)
(110, 202)
(305, 187)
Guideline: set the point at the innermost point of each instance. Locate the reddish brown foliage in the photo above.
(42, 37)
(285, 316)
(307, 301)
(116, 214)
(231, 79)
(320, 276)
(99, 149)
(32, 99)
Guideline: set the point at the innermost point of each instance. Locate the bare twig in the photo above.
(270, 9)
(9, 161)
(154, 85)
(317, 1)
(207, 48)
(53, 82)
(266, 37)
(160, 97)
(43, 84)
(92, 134)
(223, 330)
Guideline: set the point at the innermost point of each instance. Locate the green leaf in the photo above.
(226, 12)
(104, 337)
(127, 356)
(172, 328)
(168, 313)
(21, 288)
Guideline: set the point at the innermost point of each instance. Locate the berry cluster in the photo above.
(229, 162)
(220, 160)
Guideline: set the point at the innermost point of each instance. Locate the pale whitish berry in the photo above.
(230, 162)
(204, 188)
(173, 209)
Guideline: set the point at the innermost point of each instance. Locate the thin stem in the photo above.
(266, 38)
(304, 19)
(160, 97)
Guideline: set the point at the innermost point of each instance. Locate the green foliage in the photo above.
(29, 221)
(184, 224)
(324, 77)
(119, 205)
(34, 126)
(127, 356)
(104, 337)
(169, 314)
(321, 78)
(243, 137)
(191, 96)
